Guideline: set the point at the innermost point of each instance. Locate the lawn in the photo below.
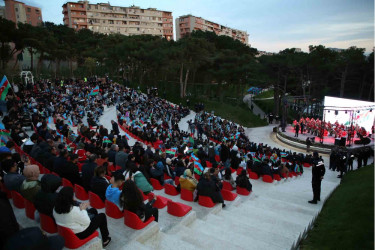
(266, 105)
(347, 218)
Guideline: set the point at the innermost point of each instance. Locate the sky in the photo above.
(272, 25)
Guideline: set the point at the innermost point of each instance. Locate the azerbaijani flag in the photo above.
(4, 132)
(71, 122)
(171, 151)
(191, 139)
(95, 91)
(283, 154)
(194, 157)
(127, 136)
(4, 87)
(198, 168)
(106, 140)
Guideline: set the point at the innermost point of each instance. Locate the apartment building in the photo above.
(107, 19)
(188, 23)
(19, 12)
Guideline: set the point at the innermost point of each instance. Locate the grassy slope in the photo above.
(347, 218)
(266, 105)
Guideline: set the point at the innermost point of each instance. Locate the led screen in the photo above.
(362, 112)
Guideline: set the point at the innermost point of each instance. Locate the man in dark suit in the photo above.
(318, 171)
(115, 127)
(88, 171)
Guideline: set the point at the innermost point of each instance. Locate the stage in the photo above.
(300, 141)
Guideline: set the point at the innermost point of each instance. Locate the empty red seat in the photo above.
(290, 175)
(66, 183)
(284, 175)
(133, 221)
(267, 178)
(161, 202)
(178, 209)
(208, 164)
(253, 175)
(176, 180)
(71, 240)
(112, 210)
(47, 224)
(169, 189)
(306, 165)
(187, 195)
(156, 184)
(276, 177)
(18, 200)
(242, 191)
(227, 186)
(205, 201)
(95, 201)
(29, 209)
(228, 195)
(80, 192)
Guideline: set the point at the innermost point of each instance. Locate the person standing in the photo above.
(318, 171)
(302, 127)
(308, 144)
(115, 127)
(296, 129)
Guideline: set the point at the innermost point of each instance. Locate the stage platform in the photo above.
(300, 141)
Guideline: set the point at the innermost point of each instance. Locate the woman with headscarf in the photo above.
(31, 186)
(187, 181)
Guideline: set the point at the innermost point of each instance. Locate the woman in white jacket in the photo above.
(77, 219)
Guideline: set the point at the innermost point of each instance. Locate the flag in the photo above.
(95, 91)
(4, 132)
(198, 168)
(106, 140)
(256, 159)
(194, 157)
(64, 116)
(127, 136)
(283, 154)
(237, 135)
(2, 126)
(225, 139)
(85, 79)
(4, 87)
(71, 122)
(252, 154)
(171, 151)
(191, 139)
(50, 120)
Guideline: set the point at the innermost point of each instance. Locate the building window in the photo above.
(28, 9)
(16, 9)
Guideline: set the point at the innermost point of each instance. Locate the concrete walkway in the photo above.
(256, 110)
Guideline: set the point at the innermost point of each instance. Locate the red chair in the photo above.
(284, 175)
(46, 171)
(306, 165)
(208, 164)
(166, 177)
(267, 178)
(217, 158)
(176, 180)
(66, 183)
(133, 221)
(253, 176)
(156, 184)
(161, 202)
(178, 209)
(95, 201)
(29, 209)
(242, 191)
(187, 195)
(232, 170)
(276, 177)
(228, 195)
(18, 200)
(80, 192)
(171, 190)
(112, 210)
(227, 186)
(290, 175)
(47, 224)
(239, 170)
(145, 197)
(71, 240)
(205, 201)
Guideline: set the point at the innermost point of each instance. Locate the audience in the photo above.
(31, 185)
(45, 199)
(99, 183)
(113, 191)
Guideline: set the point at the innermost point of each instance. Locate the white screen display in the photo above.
(347, 107)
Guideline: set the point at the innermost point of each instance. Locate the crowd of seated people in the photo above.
(91, 156)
